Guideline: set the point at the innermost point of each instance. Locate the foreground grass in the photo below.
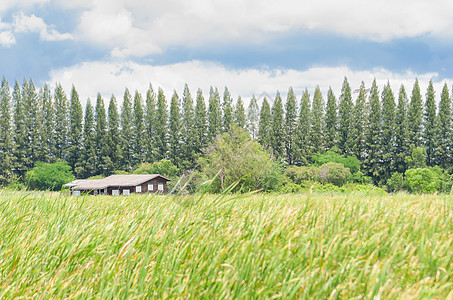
(263, 246)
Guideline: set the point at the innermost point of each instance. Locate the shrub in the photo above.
(164, 167)
(334, 173)
(422, 180)
(395, 183)
(299, 174)
(48, 176)
(361, 178)
(350, 162)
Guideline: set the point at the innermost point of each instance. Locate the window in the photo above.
(76, 193)
(126, 192)
(138, 189)
(160, 187)
(150, 187)
(115, 192)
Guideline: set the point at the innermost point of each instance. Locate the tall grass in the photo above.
(244, 246)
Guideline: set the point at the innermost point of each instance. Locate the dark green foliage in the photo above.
(188, 132)
(350, 161)
(161, 128)
(32, 123)
(278, 129)
(75, 151)
(20, 159)
(150, 123)
(422, 180)
(114, 134)
(444, 132)
(430, 127)
(331, 133)
(291, 127)
(265, 126)
(317, 126)
(6, 144)
(417, 158)
(345, 116)
(235, 157)
(61, 123)
(239, 113)
(163, 167)
(334, 173)
(253, 117)
(227, 108)
(174, 146)
(89, 141)
(214, 114)
(46, 176)
(201, 124)
(395, 182)
(126, 131)
(104, 164)
(138, 131)
(415, 117)
(359, 124)
(47, 132)
(303, 151)
(303, 173)
(401, 149)
(388, 133)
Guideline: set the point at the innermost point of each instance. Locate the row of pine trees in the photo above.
(379, 128)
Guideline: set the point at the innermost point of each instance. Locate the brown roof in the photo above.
(113, 180)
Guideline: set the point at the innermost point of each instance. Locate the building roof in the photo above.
(112, 181)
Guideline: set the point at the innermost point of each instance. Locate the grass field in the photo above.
(248, 246)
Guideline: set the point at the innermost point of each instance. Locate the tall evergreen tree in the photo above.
(114, 134)
(104, 163)
(373, 161)
(188, 133)
(239, 113)
(150, 123)
(6, 145)
(89, 141)
(19, 139)
(303, 131)
(161, 127)
(401, 149)
(253, 117)
(359, 124)
(47, 129)
(265, 126)
(32, 125)
(388, 133)
(175, 130)
(201, 124)
(291, 126)
(430, 126)
(227, 110)
(444, 131)
(61, 123)
(138, 132)
(415, 117)
(345, 110)
(331, 120)
(75, 157)
(214, 114)
(126, 131)
(317, 119)
(278, 129)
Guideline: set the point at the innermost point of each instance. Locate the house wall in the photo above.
(144, 185)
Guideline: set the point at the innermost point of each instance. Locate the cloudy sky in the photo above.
(251, 46)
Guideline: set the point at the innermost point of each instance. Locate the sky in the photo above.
(250, 46)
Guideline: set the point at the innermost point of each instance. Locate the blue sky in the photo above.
(250, 46)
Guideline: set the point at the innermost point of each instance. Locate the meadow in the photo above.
(333, 246)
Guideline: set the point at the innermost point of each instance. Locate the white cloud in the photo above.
(7, 5)
(33, 23)
(7, 39)
(110, 78)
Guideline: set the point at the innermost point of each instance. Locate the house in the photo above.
(120, 185)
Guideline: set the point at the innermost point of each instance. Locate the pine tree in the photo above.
(138, 131)
(201, 124)
(47, 131)
(6, 145)
(161, 128)
(303, 131)
(290, 126)
(265, 126)
(253, 117)
(104, 164)
(214, 114)
(61, 123)
(373, 161)
(444, 131)
(89, 141)
(388, 133)
(150, 123)
(331, 121)
(227, 110)
(278, 129)
(430, 126)
(188, 133)
(239, 113)
(401, 149)
(75, 151)
(114, 134)
(359, 124)
(30, 99)
(126, 132)
(415, 117)
(317, 119)
(19, 139)
(345, 109)
(175, 130)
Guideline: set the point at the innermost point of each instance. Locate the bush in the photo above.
(48, 176)
(361, 178)
(395, 183)
(334, 173)
(164, 167)
(299, 174)
(350, 162)
(422, 180)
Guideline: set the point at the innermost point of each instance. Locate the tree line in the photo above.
(379, 128)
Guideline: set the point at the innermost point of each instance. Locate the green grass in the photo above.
(248, 246)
